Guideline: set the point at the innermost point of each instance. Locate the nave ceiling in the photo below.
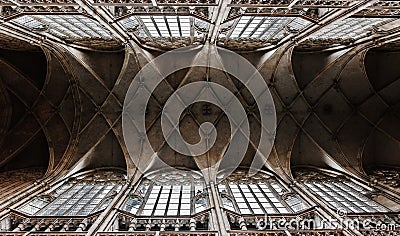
(335, 109)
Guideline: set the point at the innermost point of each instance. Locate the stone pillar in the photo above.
(177, 225)
(82, 226)
(20, 227)
(242, 224)
(132, 225)
(148, 225)
(192, 225)
(162, 226)
(65, 227)
(50, 228)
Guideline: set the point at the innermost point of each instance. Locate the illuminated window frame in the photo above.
(178, 194)
(339, 192)
(78, 196)
(257, 195)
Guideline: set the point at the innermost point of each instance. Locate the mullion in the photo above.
(191, 197)
(88, 26)
(235, 205)
(31, 20)
(179, 26)
(228, 35)
(182, 22)
(355, 195)
(245, 199)
(166, 23)
(281, 28)
(297, 204)
(157, 199)
(255, 197)
(268, 28)
(66, 212)
(352, 25)
(268, 199)
(52, 211)
(103, 200)
(258, 25)
(350, 202)
(78, 203)
(73, 29)
(168, 201)
(59, 28)
(191, 25)
(64, 30)
(144, 27)
(278, 196)
(180, 200)
(341, 24)
(145, 198)
(156, 26)
(245, 27)
(58, 197)
(92, 198)
(335, 201)
(80, 185)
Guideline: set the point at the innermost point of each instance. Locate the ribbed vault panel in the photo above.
(338, 109)
(43, 106)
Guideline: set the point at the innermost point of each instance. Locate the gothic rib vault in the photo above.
(65, 67)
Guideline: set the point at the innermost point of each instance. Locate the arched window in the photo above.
(78, 196)
(257, 195)
(166, 201)
(339, 191)
(169, 194)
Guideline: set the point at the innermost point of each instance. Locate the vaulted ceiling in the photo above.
(338, 109)
(331, 67)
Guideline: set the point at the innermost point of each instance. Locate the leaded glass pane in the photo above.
(341, 192)
(79, 196)
(173, 194)
(261, 195)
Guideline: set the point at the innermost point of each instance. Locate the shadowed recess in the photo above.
(33, 64)
(34, 155)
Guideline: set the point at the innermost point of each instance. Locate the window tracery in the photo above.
(78, 196)
(339, 192)
(259, 202)
(260, 194)
(168, 201)
(36, 204)
(267, 29)
(70, 205)
(389, 177)
(246, 25)
(69, 27)
(166, 30)
(258, 31)
(172, 194)
(350, 28)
